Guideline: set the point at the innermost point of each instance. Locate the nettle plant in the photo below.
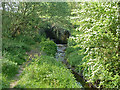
(100, 41)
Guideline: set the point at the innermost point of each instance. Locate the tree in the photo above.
(118, 29)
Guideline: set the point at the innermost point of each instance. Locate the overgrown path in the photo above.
(60, 56)
(21, 67)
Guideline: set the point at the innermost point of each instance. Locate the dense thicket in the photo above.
(93, 48)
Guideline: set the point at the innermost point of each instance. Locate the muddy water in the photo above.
(60, 56)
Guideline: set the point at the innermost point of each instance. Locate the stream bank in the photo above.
(60, 56)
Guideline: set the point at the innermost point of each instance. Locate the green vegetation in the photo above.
(93, 46)
(8, 67)
(75, 57)
(96, 35)
(46, 72)
(48, 47)
(4, 83)
(24, 26)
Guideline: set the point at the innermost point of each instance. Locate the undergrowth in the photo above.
(46, 72)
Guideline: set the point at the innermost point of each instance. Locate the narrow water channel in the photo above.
(60, 56)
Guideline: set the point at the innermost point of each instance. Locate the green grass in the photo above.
(14, 54)
(46, 72)
(4, 82)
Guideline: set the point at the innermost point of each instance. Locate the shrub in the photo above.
(18, 57)
(4, 83)
(99, 40)
(49, 47)
(9, 68)
(72, 41)
(15, 50)
(75, 58)
(39, 38)
(27, 39)
(71, 49)
(11, 44)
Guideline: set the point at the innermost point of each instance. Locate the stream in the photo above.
(60, 56)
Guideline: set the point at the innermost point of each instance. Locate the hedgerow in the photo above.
(98, 26)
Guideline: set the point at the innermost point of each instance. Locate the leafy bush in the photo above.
(71, 49)
(15, 50)
(12, 44)
(75, 58)
(15, 56)
(9, 68)
(46, 72)
(72, 41)
(26, 39)
(97, 36)
(39, 38)
(4, 83)
(49, 47)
